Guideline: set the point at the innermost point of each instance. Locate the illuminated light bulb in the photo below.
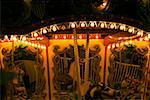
(110, 37)
(108, 46)
(149, 36)
(80, 36)
(24, 38)
(117, 44)
(140, 33)
(92, 24)
(72, 37)
(54, 28)
(112, 26)
(11, 38)
(113, 45)
(82, 25)
(35, 34)
(104, 4)
(126, 43)
(97, 37)
(122, 27)
(73, 25)
(19, 41)
(14, 38)
(130, 30)
(6, 37)
(64, 36)
(102, 25)
(44, 31)
(56, 37)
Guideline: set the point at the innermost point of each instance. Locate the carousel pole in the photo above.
(76, 53)
(105, 62)
(86, 72)
(48, 69)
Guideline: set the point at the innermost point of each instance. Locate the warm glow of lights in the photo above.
(80, 36)
(104, 4)
(146, 38)
(122, 43)
(149, 36)
(11, 37)
(140, 33)
(130, 30)
(117, 44)
(102, 25)
(64, 36)
(140, 39)
(126, 43)
(108, 46)
(72, 37)
(44, 31)
(113, 45)
(19, 41)
(96, 36)
(110, 37)
(54, 28)
(32, 44)
(14, 38)
(130, 41)
(112, 26)
(122, 27)
(24, 38)
(56, 37)
(120, 38)
(35, 34)
(73, 25)
(82, 24)
(6, 37)
(92, 24)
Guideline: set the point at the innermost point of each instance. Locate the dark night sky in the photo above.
(17, 13)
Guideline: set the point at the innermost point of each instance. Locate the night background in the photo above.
(25, 13)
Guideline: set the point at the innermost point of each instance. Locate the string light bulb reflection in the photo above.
(82, 25)
(44, 31)
(73, 25)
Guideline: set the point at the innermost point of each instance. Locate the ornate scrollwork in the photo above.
(127, 66)
(29, 81)
(64, 63)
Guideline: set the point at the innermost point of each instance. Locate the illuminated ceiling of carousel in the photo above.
(20, 16)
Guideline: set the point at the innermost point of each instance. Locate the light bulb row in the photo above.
(79, 36)
(88, 24)
(32, 44)
(126, 42)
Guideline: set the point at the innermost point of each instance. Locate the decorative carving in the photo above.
(126, 66)
(64, 63)
(29, 81)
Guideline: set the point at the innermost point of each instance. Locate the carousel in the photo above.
(77, 59)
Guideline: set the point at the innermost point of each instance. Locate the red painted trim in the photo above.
(105, 60)
(48, 72)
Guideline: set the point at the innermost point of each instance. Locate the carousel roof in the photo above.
(24, 16)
